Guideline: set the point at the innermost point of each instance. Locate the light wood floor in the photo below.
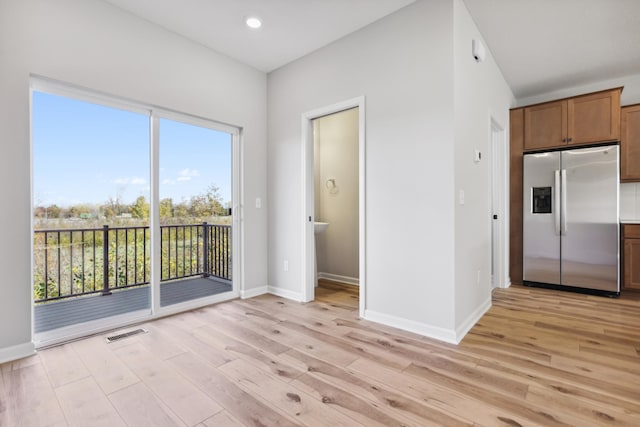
(538, 357)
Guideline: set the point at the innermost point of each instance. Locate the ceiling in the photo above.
(546, 45)
(540, 46)
(290, 29)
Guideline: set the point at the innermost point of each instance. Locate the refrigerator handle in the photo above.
(556, 197)
(563, 214)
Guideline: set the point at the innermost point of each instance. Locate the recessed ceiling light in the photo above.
(253, 22)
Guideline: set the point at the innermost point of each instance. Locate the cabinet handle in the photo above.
(570, 139)
(564, 139)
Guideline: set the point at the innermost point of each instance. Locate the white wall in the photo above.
(336, 157)
(403, 65)
(93, 44)
(481, 93)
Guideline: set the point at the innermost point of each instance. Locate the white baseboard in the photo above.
(336, 277)
(16, 352)
(285, 293)
(254, 292)
(472, 319)
(442, 334)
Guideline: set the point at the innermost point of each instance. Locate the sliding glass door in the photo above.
(132, 211)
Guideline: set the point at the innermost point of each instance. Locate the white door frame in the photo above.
(308, 240)
(499, 175)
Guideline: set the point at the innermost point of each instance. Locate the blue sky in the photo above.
(88, 153)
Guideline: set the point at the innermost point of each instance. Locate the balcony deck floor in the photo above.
(58, 314)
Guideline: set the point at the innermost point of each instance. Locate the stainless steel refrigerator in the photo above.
(570, 221)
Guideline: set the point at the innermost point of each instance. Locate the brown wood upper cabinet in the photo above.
(630, 143)
(585, 119)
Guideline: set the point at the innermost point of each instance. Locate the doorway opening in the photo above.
(499, 232)
(334, 222)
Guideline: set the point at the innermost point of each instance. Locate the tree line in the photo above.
(206, 204)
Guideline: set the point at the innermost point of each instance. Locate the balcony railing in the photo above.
(73, 262)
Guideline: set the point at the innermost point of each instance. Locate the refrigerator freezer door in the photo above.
(590, 240)
(541, 218)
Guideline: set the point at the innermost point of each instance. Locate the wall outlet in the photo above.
(461, 197)
(478, 277)
(258, 202)
(286, 265)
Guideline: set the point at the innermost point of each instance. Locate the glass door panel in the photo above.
(91, 248)
(195, 192)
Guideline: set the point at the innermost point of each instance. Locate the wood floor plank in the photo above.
(235, 349)
(222, 419)
(478, 391)
(302, 341)
(31, 399)
(362, 410)
(138, 406)
(182, 397)
(4, 403)
(378, 392)
(286, 397)
(245, 407)
(167, 329)
(84, 404)
(590, 412)
(63, 365)
(447, 399)
(227, 326)
(107, 369)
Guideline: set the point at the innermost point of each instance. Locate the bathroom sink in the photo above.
(319, 227)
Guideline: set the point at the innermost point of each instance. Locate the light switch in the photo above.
(461, 197)
(258, 202)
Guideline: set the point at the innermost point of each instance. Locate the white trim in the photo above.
(441, 334)
(285, 293)
(69, 90)
(354, 281)
(237, 213)
(16, 352)
(308, 276)
(499, 184)
(250, 293)
(155, 234)
(472, 319)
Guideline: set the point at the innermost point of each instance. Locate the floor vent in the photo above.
(124, 335)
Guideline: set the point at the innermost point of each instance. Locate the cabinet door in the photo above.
(632, 263)
(594, 118)
(630, 143)
(545, 125)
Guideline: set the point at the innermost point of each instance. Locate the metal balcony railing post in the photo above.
(105, 260)
(205, 249)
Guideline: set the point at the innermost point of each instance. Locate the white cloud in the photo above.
(189, 173)
(184, 178)
(168, 181)
(132, 180)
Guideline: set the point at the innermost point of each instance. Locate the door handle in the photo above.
(563, 214)
(556, 201)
